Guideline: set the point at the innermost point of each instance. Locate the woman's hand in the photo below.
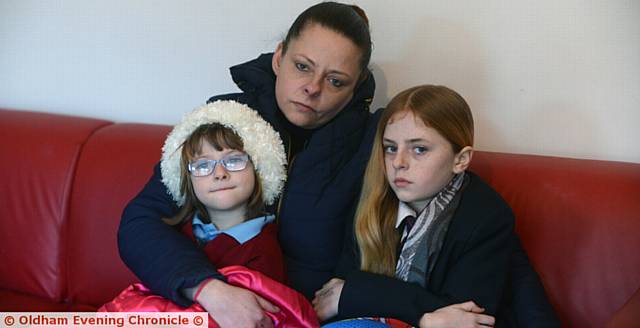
(232, 306)
(463, 315)
(326, 301)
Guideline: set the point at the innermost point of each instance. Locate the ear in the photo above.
(462, 160)
(277, 56)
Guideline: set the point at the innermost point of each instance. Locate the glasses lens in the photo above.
(201, 167)
(235, 162)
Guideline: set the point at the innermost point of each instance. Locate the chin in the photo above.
(407, 198)
(303, 122)
(299, 119)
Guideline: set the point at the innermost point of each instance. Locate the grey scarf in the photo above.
(423, 242)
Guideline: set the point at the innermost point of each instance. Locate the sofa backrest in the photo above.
(579, 221)
(64, 182)
(114, 165)
(38, 158)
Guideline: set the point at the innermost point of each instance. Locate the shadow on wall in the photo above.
(382, 89)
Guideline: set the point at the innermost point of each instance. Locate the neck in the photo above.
(418, 206)
(225, 219)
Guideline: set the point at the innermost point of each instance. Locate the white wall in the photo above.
(542, 77)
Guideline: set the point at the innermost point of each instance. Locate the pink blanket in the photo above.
(295, 310)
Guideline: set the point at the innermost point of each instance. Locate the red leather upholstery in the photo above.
(38, 156)
(579, 221)
(65, 180)
(628, 315)
(115, 163)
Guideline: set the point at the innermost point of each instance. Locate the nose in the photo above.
(400, 161)
(314, 86)
(219, 172)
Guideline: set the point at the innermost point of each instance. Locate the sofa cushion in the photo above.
(628, 315)
(11, 301)
(38, 156)
(102, 188)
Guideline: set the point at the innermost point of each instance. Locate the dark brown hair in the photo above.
(347, 20)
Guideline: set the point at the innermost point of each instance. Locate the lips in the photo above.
(222, 189)
(302, 107)
(399, 182)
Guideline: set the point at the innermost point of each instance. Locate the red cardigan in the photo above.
(261, 253)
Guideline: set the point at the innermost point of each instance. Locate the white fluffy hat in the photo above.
(261, 142)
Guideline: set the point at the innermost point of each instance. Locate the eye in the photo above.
(234, 160)
(201, 165)
(390, 149)
(302, 67)
(336, 82)
(420, 150)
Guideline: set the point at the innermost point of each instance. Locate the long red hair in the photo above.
(439, 108)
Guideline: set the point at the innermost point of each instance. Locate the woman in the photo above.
(315, 91)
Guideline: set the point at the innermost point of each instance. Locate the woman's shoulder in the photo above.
(254, 78)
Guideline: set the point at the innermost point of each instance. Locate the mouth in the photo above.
(221, 189)
(303, 108)
(399, 182)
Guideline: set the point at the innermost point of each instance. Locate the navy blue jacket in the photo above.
(324, 180)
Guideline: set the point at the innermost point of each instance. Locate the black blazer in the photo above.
(473, 265)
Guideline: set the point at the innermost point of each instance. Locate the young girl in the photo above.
(430, 235)
(222, 164)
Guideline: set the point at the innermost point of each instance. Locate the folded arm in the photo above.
(477, 273)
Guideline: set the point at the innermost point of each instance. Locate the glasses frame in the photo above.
(212, 163)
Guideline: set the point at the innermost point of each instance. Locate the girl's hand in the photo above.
(466, 314)
(232, 306)
(326, 301)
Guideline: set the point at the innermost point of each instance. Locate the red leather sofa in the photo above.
(64, 181)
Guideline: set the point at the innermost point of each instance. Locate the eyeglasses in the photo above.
(232, 163)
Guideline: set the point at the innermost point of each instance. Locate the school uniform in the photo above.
(472, 264)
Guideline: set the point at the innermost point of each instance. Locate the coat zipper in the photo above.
(290, 159)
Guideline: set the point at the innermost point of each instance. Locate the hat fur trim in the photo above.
(261, 142)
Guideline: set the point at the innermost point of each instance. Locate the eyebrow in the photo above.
(333, 71)
(418, 140)
(409, 141)
(225, 152)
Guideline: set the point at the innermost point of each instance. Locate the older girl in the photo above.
(429, 233)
